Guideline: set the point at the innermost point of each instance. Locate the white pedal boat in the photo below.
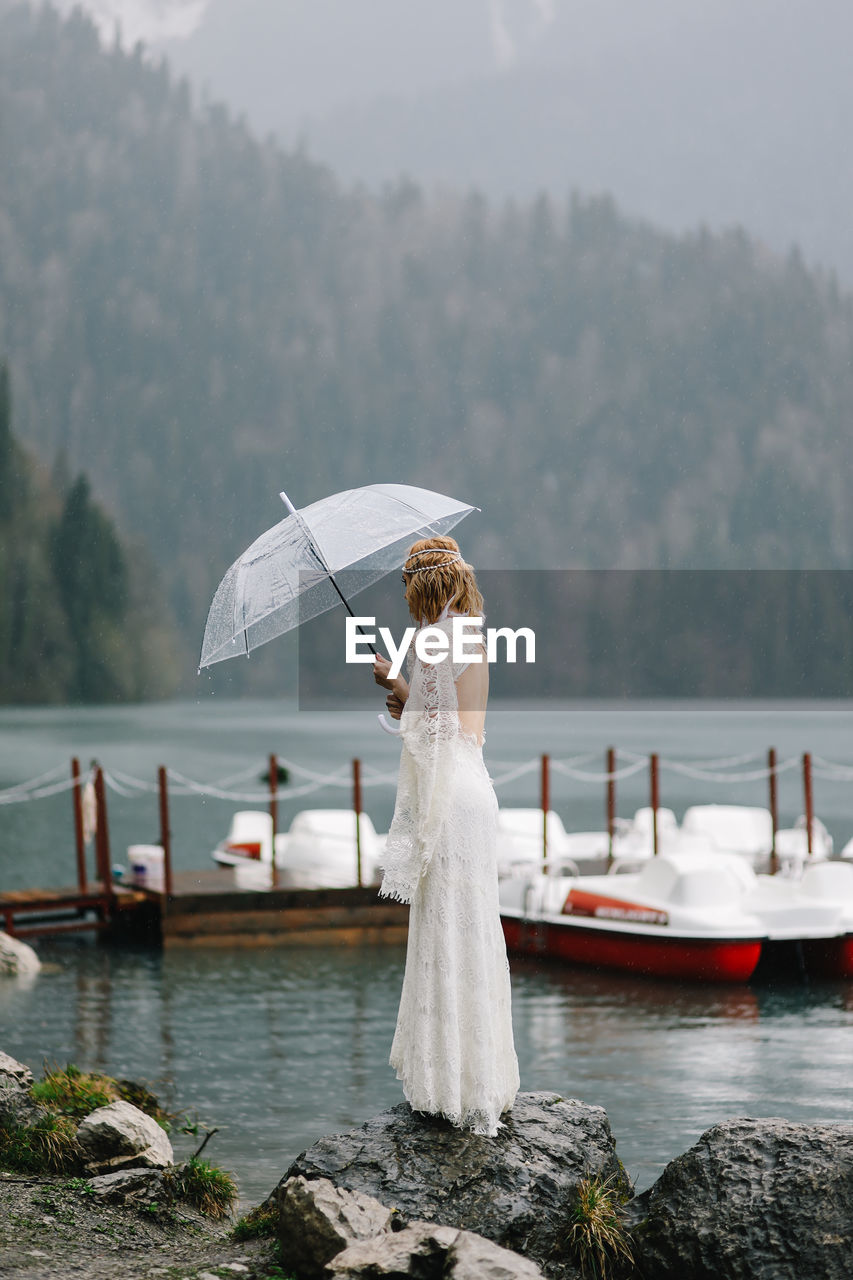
(318, 852)
(694, 916)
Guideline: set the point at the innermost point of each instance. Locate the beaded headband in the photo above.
(425, 568)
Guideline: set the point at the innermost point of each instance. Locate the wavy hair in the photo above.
(435, 579)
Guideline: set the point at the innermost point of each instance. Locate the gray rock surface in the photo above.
(17, 958)
(16, 1105)
(431, 1252)
(318, 1220)
(130, 1186)
(421, 1249)
(752, 1200)
(472, 1257)
(515, 1189)
(120, 1135)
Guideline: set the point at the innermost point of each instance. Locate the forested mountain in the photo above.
(81, 616)
(197, 319)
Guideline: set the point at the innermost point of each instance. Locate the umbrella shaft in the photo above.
(326, 568)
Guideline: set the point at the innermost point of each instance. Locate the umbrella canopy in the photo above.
(290, 573)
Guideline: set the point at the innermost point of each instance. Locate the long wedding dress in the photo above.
(453, 1048)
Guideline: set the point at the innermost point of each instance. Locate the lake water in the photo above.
(277, 1048)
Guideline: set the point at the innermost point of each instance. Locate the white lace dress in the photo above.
(453, 1048)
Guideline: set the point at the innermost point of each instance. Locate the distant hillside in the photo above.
(196, 320)
(728, 113)
(81, 616)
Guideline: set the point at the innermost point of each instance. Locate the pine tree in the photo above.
(91, 578)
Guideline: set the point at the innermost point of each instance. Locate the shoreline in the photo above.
(55, 1228)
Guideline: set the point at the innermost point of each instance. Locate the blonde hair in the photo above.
(435, 580)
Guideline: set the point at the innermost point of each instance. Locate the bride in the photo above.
(453, 1048)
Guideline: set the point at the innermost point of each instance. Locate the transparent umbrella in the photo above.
(318, 557)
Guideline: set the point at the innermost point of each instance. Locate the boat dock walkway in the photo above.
(210, 908)
(205, 909)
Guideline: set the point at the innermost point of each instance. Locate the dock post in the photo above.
(274, 816)
(655, 799)
(807, 788)
(610, 769)
(165, 830)
(774, 809)
(102, 848)
(79, 841)
(546, 805)
(356, 804)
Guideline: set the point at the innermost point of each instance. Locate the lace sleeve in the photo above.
(429, 728)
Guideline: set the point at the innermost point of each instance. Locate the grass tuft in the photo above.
(77, 1093)
(73, 1092)
(209, 1189)
(597, 1238)
(258, 1222)
(48, 1146)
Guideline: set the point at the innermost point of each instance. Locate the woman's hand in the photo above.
(398, 689)
(381, 667)
(395, 706)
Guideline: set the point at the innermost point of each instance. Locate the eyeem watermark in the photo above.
(433, 644)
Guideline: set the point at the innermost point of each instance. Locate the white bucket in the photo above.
(146, 866)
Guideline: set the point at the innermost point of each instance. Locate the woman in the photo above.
(453, 1047)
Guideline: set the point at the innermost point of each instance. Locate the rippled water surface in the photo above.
(279, 1047)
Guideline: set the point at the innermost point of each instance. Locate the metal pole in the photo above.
(165, 830)
(103, 836)
(655, 798)
(356, 804)
(546, 805)
(79, 841)
(774, 809)
(274, 816)
(611, 803)
(807, 788)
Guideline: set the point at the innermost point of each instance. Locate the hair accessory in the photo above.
(426, 568)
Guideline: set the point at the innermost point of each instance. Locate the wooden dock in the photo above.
(37, 912)
(205, 909)
(208, 908)
(196, 908)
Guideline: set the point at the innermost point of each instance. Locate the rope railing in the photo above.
(706, 775)
(720, 770)
(581, 775)
(19, 796)
(514, 772)
(830, 771)
(186, 786)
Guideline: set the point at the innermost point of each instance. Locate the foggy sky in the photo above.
(688, 111)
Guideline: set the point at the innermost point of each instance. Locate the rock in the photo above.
(317, 1220)
(131, 1186)
(16, 958)
(752, 1200)
(516, 1189)
(17, 1107)
(430, 1252)
(472, 1257)
(421, 1249)
(120, 1135)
